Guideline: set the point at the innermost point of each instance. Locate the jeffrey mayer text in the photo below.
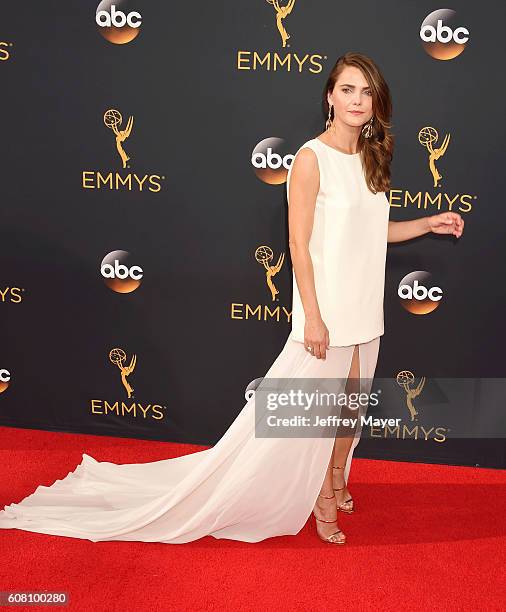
(330, 421)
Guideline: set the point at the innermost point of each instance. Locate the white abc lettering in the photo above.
(136, 272)
(120, 271)
(271, 160)
(5, 375)
(118, 18)
(419, 292)
(443, 34)
(435, 294)
(457, 35)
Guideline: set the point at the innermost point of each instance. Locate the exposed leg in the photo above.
(325, 510)
(343, 443)
(330, 499)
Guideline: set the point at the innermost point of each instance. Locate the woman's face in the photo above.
(351, 93)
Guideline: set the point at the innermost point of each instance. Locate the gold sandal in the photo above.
(346, 501)
(331, 538)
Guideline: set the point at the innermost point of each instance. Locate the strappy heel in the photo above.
(331, 539)
(346, 501)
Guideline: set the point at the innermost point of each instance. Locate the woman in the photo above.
(339, 227)
(250, 487)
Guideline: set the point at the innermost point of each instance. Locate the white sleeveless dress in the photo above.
(243, 488)
(348, 250)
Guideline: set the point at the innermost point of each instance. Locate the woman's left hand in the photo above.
(446, 223)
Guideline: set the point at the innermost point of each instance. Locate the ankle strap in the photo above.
(326, 496)
(338, 467)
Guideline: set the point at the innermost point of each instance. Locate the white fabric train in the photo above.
(243, 488)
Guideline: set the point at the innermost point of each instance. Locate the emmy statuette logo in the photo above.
(281, 13)
(113, 120)
(438, 200)
(405, 379)
(264, 256)
(118, 357)
(282, 59)
(426, 137)
(119, 180)
(415, 428)
(128, 407)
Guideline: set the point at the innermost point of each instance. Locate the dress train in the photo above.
(243, 488)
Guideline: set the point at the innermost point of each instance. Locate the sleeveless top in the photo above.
(348, 250)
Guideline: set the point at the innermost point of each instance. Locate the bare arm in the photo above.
(398, 231)
(304, 186)
(442, 223)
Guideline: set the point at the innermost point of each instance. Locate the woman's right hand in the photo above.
(316, 337)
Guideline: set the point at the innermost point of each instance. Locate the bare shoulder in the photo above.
(305, 164)
(304, 178)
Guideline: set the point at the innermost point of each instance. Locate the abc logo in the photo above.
(440, 40)
(118, 273)
(251, 388)
(418, 293)
(116, 22)
(5, 378)
(271, 161)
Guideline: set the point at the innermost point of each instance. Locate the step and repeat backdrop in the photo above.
(146, 275)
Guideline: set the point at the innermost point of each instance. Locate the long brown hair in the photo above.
(376, 152)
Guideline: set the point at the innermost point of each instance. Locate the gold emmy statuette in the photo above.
(426, 136)
(118, 357)
(264, 254)
(405, 379)
(281, 13)
(113, 120)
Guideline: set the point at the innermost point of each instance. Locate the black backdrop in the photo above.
(197, 83)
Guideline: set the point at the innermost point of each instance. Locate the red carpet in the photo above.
(423, 537)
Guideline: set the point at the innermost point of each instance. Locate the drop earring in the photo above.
(367, 129)
(328, 123)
